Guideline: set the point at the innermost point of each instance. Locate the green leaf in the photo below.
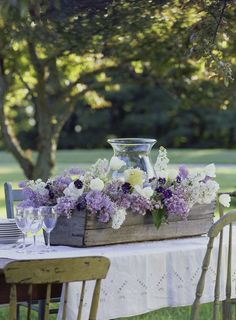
(158, 216)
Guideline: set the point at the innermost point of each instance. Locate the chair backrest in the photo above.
(217, 229)
(11, 195)
(57, 271)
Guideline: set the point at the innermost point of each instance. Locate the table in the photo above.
(143, 276)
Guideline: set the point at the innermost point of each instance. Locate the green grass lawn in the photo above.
(226, 176)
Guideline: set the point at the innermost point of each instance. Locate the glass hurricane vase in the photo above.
(135, 152)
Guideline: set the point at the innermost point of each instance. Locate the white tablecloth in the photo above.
(143, 276)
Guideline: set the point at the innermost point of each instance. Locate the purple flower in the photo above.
(159, 189)
(178, 179)
(22, 184)
(65, 205)
(26, 203)
(74, 171)
(126, 187)
(81, 204)
(167, 193)
(100, 204)
(139, 204)
(177, 204)
(183, 172)
(162, 180)
(78, 184)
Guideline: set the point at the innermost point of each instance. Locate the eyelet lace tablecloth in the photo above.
(143, 276)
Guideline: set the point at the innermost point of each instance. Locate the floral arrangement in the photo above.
(111, 199)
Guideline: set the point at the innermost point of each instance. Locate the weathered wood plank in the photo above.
(84, 230)
(147, 232)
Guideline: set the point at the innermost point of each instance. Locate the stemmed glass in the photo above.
(23, 223)
(36, 222)
(49, 221)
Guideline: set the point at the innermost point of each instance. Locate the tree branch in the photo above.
(219, 20)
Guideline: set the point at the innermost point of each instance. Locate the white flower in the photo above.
(210, 170)
(146, 192)
(173, 174)
(73, 192)
(116, 163)
(96, 184)
(38, 186)
(225, 199)
(118, 218)
(161, 164)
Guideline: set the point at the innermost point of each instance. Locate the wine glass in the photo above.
(36, 223)
(49, 221)
(23, 223)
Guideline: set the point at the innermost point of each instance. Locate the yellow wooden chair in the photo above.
(49, 271)
(217, 229)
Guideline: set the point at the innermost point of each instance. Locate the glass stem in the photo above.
(23, 242)
(34, 236)
(48, 242)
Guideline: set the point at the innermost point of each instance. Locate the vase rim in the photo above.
(132, 141)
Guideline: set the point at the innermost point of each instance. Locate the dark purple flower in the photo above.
(78, 184)
(81, 204)
(51, 194)
(159, 189)
(126, 187)
(162, 180)
(167, 193)
(178, 179)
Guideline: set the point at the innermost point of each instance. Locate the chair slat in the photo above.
(214, 231)
(95, 300)
(47, 301)
(65, 301)
(13, 302)
(30, 291)
(218, 273)
(58, 271)
(81, 301)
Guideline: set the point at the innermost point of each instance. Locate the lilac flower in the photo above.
(74, 171)
(60, 183)
(65, 205)
(26, 204)
(139, 204)
(177, 204)
(100, 204)
(22, 184)
(183, 172)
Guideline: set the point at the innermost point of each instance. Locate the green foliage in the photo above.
(158, 216)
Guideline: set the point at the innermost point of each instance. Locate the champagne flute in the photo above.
(36, 222)
(23, 223)
(49, 221)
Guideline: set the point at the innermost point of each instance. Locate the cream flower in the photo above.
(134, 176)
(118, 218)
(146, 192)
(96, 184)
(73, 192)
(116, 163)
(210, 170)
(225, 199)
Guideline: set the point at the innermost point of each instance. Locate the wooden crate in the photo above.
(82, 229)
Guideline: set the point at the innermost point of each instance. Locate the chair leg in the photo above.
(41, 310)
(18, 312)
